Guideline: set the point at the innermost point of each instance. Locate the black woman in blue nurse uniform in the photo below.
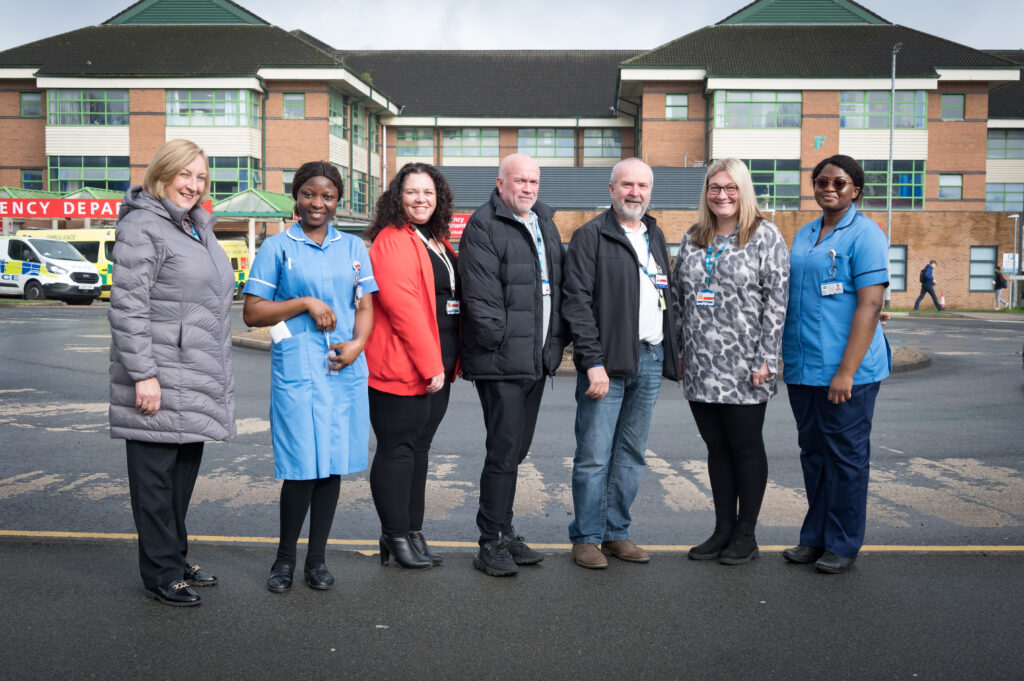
(835, 358)
(311, 285)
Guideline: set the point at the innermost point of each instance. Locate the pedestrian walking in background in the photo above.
(618, 306)
(998, 286)
(171, 386)
(413, 352)
(835, 358)
(311, 284)
(927, 278)
(510, 261)
(732, 285)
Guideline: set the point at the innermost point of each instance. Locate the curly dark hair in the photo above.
(848, 165)
(313, 169)
(388, 211)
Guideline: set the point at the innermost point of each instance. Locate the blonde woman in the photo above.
(171, 387)
(732, 285)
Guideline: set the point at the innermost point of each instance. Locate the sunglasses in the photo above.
(824, 183)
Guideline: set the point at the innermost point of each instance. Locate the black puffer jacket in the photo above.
(502, 306)
(602, 298)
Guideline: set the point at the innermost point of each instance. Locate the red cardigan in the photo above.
(404, 349)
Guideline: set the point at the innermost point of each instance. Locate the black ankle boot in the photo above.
(419, 544)
(405, 555)
(742, 547)
(711, 548)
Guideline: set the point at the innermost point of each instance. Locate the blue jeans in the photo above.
(611, 437)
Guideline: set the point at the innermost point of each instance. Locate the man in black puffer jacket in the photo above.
(510, 262)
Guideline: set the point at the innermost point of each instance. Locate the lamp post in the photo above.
(888, 189)
(1014, 287)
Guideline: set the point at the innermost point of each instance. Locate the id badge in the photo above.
(705, 298)
(452, 306)
(359, 294)
(661, 280)
(545, 288)
(831, 288)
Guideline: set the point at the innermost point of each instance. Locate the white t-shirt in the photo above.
(651, 319)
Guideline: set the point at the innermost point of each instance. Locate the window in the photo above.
(374, 132)
(1004, 196)
(19, 250)
(547, 142)
(232, 174)
(31, 104)
(951, 186)
(897, 268)
(359, 126)
(776, 183)
(1005, 144)
(87, 107)
(602, 143)
(31, 179)
(287, 177)
(71, 173)
(471, 142)
(907, 185)
(677, 107)
(416, 142)
(983, 265)
(735, 109)
(952, 108)
(339, 114)
(375, 189)
(294, 105)
(344, 199)
(358, 192)
(859, 109)
(217, 108)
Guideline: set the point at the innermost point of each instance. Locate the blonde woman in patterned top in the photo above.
(732, 285)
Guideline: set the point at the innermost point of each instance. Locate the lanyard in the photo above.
(657, 268)
(444, 258)
(539, 239)
(710, 260)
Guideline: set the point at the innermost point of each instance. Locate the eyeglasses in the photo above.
(824, 183)
(716, 189)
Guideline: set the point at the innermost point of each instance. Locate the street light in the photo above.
(892, 127)
(1016, 263)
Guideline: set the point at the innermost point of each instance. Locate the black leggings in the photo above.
(404, 426)
(737, 463)
(320, 498)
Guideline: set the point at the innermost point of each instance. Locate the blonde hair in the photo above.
(170, 160)
(750, 215)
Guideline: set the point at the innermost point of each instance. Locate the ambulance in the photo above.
(238, 253)
(35, 268)
(96, 245)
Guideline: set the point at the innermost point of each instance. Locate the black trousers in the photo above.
(161, 478)
(927, 289)
(404, 426)
(510, 416)
(737, 462)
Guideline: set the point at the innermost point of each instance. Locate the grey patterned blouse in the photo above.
(723, 344)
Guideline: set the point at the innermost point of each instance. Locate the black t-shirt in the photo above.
(447, 324)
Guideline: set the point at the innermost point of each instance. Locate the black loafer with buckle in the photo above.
(280, 579)
(318, 577)
(197, 576)
(177, 594)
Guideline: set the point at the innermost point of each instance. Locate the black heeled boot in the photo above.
(405, 555)
(719, 539)
(419, 543)
(742, 547)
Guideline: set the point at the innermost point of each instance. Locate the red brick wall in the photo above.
(957, 147)
(24, 139)
(672, 142)
(820, 118)
(146, 128)
(292, 142)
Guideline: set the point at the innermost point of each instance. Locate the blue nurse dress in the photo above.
(319, 422)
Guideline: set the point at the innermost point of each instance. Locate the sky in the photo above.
(522, 24)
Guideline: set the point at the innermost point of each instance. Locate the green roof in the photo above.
(94, 193)
(803, 12)
(255, 203)
(184, 13)
(19, 193)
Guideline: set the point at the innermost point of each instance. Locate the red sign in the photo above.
(65, 208)
(458, 224)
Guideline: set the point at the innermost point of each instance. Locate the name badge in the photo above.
(545, 288)
(661, 280)
(705, 298)
(831, 288)
(452, 306)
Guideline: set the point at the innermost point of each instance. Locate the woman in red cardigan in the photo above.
(413, 352)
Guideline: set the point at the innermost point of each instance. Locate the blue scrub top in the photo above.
(319, 422)
(817, 326)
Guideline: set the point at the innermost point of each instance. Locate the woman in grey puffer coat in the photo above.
(171, 386)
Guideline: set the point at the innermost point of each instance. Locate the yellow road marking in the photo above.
(358, 544)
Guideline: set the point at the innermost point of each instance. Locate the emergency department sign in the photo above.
(59, 208)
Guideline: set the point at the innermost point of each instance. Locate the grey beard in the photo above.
(629, 211)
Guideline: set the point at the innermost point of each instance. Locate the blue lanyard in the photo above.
(657, 267)
(540, 241)
(710, 260)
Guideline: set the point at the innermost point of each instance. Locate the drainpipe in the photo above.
(263, 130)
(707, 125)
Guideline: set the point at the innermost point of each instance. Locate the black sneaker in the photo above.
(494, 559)
(520, 552)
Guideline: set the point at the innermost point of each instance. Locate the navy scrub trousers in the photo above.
(835, 453)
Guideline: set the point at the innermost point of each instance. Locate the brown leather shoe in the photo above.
(624, 549)
(589, 556)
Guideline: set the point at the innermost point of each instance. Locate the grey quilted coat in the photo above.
(170, 317)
